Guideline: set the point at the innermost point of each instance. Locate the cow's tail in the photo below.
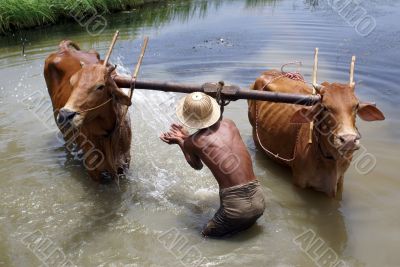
(68, 44)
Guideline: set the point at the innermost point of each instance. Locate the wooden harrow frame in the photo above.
(226, 92)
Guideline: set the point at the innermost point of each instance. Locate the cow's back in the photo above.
(59, 68)
(275, 131)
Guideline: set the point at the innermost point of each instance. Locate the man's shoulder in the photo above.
(226, 120)
(193, 139)
(199, 138)
(230, 123)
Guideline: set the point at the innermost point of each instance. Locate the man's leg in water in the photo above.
(240, 208)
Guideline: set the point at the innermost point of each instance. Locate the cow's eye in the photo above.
(357, 106)
(100, 87)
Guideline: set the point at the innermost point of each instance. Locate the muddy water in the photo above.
(45, 190)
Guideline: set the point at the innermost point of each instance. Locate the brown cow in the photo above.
(283, 130)
(89, 109)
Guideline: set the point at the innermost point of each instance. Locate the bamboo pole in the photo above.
(352, 65)
(107, 58)
(314, 85)
(315, 70)
(138, 64)
(136, 71)
(229, 92)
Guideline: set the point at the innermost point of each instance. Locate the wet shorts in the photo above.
(241, 206)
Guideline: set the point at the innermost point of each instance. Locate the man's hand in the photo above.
(179, 130)
(176, 135)
(170, 138)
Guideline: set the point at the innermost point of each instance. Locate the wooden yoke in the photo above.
(136, 71)
(227, 90)
(230, 92)
(352, 65)
(138, 64)
(314, 85)
(107, 58)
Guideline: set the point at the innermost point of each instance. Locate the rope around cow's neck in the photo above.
(96, 107)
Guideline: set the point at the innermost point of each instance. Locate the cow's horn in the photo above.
(352, 64)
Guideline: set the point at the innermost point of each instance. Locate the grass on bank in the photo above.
(21, 14)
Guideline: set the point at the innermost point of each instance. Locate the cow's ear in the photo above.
(303, 115)
(369, 112)
(121, 97)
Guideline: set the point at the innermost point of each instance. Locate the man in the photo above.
(218, 145)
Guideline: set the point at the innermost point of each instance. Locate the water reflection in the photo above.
(323, 215)
(107, 203)
(149, 15)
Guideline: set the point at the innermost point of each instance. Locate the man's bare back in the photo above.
(220, 147)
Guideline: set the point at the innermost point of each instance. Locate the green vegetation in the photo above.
(23, 14)
(19, 14)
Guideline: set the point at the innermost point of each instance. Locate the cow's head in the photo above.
(335, 117)
(93, 90)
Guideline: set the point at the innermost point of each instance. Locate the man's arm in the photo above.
(177, 135)
(191, 158)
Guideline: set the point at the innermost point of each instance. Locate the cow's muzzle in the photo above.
(348, 142)
(65, 116)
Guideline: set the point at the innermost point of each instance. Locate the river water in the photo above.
(46, 195)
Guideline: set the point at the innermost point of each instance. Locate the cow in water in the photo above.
(89, 109)
(283, 130)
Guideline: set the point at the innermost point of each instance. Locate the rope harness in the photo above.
(220, 100)
(96, 107)
(293, 76)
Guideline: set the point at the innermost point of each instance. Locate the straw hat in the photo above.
(198, 110)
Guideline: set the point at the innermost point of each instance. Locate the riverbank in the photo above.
(24, 14)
